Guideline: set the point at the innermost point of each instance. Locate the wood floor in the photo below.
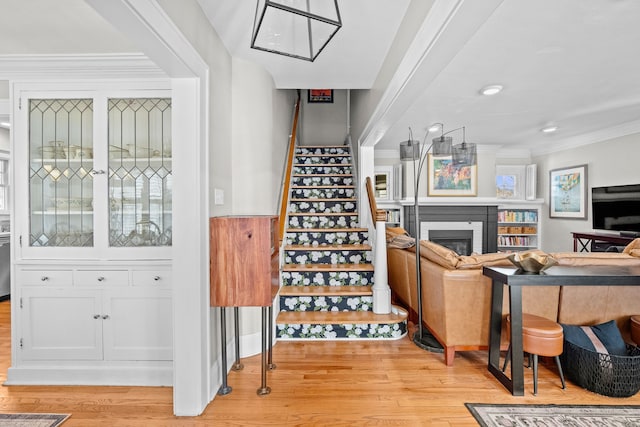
(315, 384)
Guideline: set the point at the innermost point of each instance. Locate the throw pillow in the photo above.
(401, 241)
(606, 333)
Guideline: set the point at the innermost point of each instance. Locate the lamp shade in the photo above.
(409, 150)
(295, 28)
(464, 154)
(442, 146)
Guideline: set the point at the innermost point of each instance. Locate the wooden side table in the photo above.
(586, 239)
(244, 267)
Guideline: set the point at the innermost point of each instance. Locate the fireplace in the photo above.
(459, 241)
(464, 229)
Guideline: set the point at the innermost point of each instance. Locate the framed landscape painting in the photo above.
(568, 192)
(322, 96)
(510, 182)
(446, 179)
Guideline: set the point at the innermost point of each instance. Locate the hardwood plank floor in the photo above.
(391, 383)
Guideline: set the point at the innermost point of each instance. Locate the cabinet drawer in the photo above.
(101, 278)
(45, 277)
(158, 278)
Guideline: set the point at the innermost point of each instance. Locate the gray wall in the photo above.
(324, 123)
(611, 162)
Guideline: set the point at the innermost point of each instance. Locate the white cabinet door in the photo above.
(138, 324)
(61, 324)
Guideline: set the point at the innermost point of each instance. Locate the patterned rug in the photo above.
(488, 415)
(32, 420)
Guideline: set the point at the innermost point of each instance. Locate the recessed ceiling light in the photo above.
(549, 129)
(491, 90)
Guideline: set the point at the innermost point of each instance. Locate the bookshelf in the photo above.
(518, 228)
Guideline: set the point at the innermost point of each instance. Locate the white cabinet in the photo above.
(59, 324)
(92, 170)
(89, 314)
(93, 173)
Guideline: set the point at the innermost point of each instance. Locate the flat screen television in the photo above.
(616, 208)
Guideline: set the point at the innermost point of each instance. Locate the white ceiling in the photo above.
(572, 63)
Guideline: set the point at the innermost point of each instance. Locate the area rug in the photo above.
(490, 415)
(32, 420)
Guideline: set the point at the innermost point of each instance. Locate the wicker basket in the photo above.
(606, 374)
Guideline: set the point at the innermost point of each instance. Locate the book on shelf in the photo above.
(518, 216)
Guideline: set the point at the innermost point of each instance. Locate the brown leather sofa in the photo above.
(456, 295)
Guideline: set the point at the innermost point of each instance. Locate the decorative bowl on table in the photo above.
(532, 262)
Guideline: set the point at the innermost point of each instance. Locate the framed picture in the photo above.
(446, 179)
(568, 192)
(383, 183)
(510, 182)
(320, 96)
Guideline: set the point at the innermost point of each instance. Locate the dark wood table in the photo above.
(586, 239)
(515, 279)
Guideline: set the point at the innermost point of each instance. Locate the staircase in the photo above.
(327, 272)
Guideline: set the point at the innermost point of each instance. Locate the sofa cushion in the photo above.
(607, 333)
(633, 248)
(595, 258)
(476, 261)
(439, 254)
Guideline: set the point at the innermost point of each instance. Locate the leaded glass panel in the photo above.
(140, 180)
(60, 175)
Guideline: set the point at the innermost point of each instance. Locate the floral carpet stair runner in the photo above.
(327, 271)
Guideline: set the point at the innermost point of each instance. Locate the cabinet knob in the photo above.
(156, 278)
(101, 279)
(96, 316)
(44, 278)
(105, 317)
(98, 172)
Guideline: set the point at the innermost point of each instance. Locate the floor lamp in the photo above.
(462, 154)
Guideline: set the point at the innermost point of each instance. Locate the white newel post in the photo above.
(381, 289)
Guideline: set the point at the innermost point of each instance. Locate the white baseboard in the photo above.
(111, 376)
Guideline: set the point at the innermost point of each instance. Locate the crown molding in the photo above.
(78, 66)
(587, 138)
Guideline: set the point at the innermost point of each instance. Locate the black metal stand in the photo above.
(224, 388)
(271, 365)
(264, 390)
(237, 366)
(423, 339)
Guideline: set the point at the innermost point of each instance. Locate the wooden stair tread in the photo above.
(325, 247)
(323, 214)
(314, 290)
(323, 175)
(326, 230)
(310, 187)
(321, 165)
(327, 267)
(331, 317)
(322, 146)
(323, 155)
(323, 199)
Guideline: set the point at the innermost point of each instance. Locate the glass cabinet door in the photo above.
(140, 180)
(60, 173)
